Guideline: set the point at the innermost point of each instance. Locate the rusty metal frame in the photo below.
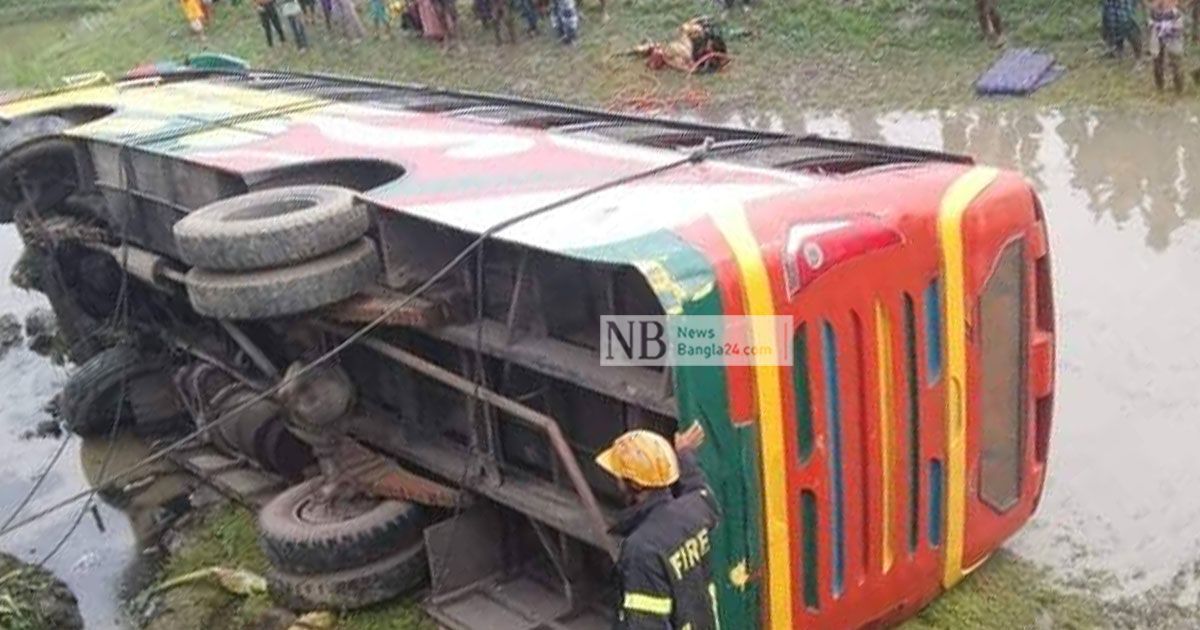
(539, 421)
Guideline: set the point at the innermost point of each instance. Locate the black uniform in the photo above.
(666, 578)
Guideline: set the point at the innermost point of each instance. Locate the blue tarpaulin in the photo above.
(1018, 72)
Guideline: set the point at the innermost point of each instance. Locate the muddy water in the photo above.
(1123, 206)
(1122, 496)
(96, 566)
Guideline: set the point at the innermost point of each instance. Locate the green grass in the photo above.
(1008, 592)
(815, 53)
(227, 538)
(32, 598)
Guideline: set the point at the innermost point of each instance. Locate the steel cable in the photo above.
(696, 156)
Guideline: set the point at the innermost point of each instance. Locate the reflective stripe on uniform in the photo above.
(712, 592)
(649, 604)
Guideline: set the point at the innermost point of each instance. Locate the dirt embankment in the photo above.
(31, 598)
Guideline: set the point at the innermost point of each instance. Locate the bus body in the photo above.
(906, 441)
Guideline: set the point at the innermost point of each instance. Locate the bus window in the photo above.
(1002, 316)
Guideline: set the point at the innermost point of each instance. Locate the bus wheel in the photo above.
(304, 535)
(393, 575)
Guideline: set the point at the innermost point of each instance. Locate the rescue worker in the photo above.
(663, 564)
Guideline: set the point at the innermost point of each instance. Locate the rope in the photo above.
(695, 157)
(119, 320)
(41, 478)
(658, 98)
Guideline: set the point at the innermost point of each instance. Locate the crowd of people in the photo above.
(1165, 34)
(431, 19)
(1161, 35)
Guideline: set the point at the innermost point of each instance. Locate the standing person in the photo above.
(565, 17)
(1195, 6)
(294, 14)
(377, 10)
(447, 11)
(529, 13)
(309, 8)
(193, 12)
(327, 10)
(410, 17)
(989, 21)
(1166, 42)
(430, 20)
(346, 18)
(269, 16)
(1119, 26)
(664, 562)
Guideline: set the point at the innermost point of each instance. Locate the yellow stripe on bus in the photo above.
(748, 254)
(957, 198)
(883, 347)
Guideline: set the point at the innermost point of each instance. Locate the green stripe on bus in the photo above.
(914, 423)
(801, 383)
(808, 549)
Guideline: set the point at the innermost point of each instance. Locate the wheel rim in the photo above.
(313, 511)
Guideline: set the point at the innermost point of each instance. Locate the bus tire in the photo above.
(298, 544)
(92, 395)
(269, 293)
(394, 575)
(20, 143)
(270, 228)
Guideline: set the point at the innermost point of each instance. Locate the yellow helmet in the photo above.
(643, 457)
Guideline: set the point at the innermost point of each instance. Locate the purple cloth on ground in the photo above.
(1019, 72)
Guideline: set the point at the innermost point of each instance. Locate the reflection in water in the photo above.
(1121, 493)
(1128, 164)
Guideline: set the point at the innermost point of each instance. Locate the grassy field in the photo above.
(793, 54)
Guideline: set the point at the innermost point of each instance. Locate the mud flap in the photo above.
(474, 585)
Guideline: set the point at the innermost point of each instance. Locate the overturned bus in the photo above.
(410, 282)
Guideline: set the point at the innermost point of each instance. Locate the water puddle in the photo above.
(1121, 496)
(102, 568)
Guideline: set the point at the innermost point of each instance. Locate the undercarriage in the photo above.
(486, 424)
